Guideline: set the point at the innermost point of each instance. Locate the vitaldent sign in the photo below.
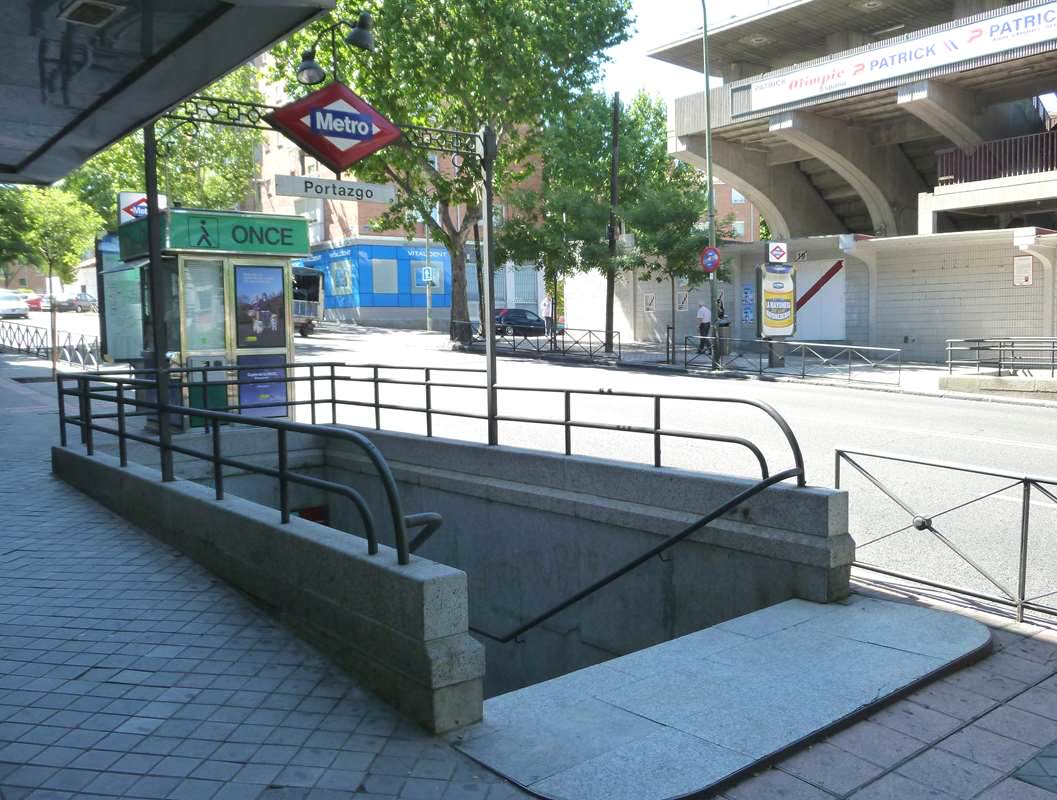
(963, 43)
(303, 186)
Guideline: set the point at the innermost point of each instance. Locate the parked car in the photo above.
(65, 303)
(12, 305)
(85, 302)
(519, 322)
(37, 302)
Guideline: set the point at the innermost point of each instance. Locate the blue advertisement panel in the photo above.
(266, 395)
(260, 313)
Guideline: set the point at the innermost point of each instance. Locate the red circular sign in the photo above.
(710, 259)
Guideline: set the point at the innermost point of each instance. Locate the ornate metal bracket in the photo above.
(221, 111)
(441, 140)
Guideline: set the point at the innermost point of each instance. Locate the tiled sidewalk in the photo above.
(126, 670)
(959, 738)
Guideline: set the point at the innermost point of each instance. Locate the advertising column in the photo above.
(777, 282)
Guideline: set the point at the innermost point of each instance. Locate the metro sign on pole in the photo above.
(335, 125)
(777, 253)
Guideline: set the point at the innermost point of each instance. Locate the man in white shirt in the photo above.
(547, 312)
(704, 324)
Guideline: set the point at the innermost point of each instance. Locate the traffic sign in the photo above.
(335, 125)
(777, 253)
(710, 259)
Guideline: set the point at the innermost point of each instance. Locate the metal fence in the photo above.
(1001, 158)
(80, 350)
(845, 362)
(321, 382)
(113, 390)
(958, 541)
(574, 342)
(1007, 356)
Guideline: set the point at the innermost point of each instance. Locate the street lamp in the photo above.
(711, 185)
(360, 35)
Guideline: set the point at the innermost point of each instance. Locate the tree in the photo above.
(61, 230)
(14, 229)
(208, 166)
(459, 65)
(562, 225)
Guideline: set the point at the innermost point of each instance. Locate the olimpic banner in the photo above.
(963, 43)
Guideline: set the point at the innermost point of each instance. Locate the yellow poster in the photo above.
(777, 300)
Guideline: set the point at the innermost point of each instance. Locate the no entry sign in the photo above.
(710, 259)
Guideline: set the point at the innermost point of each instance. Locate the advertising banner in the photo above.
(777, 301)
(260, 312)
(906, 57)
(266, 396)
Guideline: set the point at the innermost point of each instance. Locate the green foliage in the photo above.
(14, 229)
(211, 166)
(61, 229)
(765, 231)
(459, 65)
(562, 227)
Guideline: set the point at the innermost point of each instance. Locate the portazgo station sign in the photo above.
(963, 43)
(335, 125)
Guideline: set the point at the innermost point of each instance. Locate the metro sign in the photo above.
(777, 252)
(335, 125)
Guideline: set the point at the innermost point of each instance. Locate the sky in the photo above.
(631, 69)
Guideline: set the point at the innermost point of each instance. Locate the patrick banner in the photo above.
(911, 55)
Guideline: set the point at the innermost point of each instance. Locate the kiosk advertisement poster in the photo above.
(260, 315)
(777, 301)
(266, 395)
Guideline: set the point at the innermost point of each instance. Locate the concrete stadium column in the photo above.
(782, 194)
(949, 111)
(882, 176)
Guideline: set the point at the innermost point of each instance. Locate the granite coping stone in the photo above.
(687, 715)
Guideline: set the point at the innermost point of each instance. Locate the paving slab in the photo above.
(687, 715)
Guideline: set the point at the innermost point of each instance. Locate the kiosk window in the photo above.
(204, 304)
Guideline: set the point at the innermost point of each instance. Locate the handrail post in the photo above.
(836, 469)
(568, 423)
(333, 396)
(122, 444)
(377, 403)
(429, 405)
(81, 398)
(312, 390)
(218, 467)
(1023, 565)
(657, 430)
(60, 383)
(88, 438)
(284, 486)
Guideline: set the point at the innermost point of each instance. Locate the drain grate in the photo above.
(1041, 771)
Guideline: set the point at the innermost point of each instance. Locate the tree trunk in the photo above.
(461, 330)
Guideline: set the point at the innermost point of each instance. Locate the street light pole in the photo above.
(487, 148)
(708, 160)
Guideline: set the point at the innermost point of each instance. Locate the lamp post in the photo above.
(708, 162)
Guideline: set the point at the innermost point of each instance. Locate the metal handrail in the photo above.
(567, 341)
(78, 349)
(84, 420)
(925, 522)
(1009, 353)
(999, 158)
(668, 543)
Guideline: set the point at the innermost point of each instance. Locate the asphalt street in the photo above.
(1016, 439)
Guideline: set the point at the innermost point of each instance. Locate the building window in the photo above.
(384, 275)
(22, 283)
(311, 209)
(736, 197)
(739, 228)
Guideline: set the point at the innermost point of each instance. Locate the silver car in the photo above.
(13, 304)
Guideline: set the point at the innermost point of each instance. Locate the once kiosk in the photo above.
(228, 283)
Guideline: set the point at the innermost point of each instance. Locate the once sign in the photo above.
(335, 125)
(303, 186)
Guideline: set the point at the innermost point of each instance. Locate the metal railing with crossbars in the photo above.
(1015, 594)
(573, 342)
(79, 350)
(820, 360)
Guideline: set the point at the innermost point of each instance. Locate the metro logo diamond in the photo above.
(334, 125)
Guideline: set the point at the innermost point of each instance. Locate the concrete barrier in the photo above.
(401, 629)
(531, 528)
(1013, 387)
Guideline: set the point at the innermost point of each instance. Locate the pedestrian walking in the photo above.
(547, 312)
(704, 325)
